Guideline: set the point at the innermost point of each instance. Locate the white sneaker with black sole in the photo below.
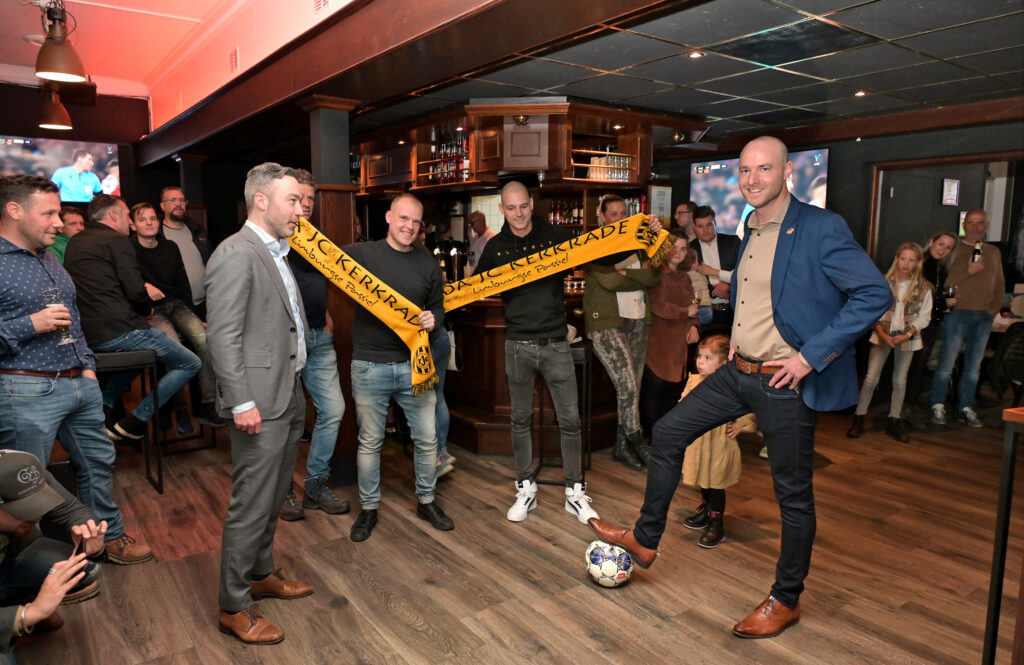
(578, 503)
(526, 500)
(968, 415)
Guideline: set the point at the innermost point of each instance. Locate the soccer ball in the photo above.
(608, 565)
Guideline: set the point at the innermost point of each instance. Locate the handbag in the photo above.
(455, 357)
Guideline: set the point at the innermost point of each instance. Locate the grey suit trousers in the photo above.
(263, 468)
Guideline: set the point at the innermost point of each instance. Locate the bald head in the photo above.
(514, 188)
(398, 200)
(517, 206)
(771, 144)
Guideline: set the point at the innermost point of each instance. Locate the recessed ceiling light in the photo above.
(35, 40)
(859, 93)
(694, 55)
(459, 128)
(401, 141)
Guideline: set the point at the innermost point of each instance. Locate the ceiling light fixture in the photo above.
(695, 55)
(859, 93)
(401, 141)
(617, 127)
(521, 120)
(57, 59)
(459, 128)
(54, 115)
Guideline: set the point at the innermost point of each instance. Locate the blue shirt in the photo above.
(24, 275)
(74, 186)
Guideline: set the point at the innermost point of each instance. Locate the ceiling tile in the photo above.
(721, 128)
(955, 91)
(905, 77)
(682, 69)
(789, 117)
(614, 51)
(678, 100)
(1015, 78)
(857, 106)
(609, 87)
(469, 89)
(897, 18)
(718, 21)
(763, 80)
(1013, 95)
(733, 108)
(858, 61)
(995, 62)
(809, 94)
(974, 38)
(790, 43)
(537, 74)
(820, 7)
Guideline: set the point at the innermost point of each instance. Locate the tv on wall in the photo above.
(81, 169)
(716, 184)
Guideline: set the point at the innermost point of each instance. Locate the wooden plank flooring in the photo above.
(899, 574)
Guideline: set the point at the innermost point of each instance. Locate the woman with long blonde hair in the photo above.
(898, 330)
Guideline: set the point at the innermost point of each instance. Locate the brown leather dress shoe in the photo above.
(276, 586)
(769, 619)
(643, 556)
(249, 626)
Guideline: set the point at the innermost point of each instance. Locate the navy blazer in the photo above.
(825, 293)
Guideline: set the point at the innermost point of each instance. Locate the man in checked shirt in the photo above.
(48, 389)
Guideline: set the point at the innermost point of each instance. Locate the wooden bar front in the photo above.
(478, 398)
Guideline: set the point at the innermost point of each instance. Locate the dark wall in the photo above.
(851, 162)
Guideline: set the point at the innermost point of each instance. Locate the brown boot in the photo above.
(249, 626)
(127, 551)
(643, 556)
(275, 585)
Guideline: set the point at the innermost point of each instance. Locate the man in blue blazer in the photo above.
(803, 292)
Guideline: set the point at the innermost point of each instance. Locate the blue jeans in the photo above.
(970, 330)
(35, 410)
(788, 426)
(373, 386)
(440, 350)
(553, 361)
(320, 376)
(181, 366)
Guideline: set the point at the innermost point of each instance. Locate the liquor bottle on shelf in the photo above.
(465, 158)
(432, 177)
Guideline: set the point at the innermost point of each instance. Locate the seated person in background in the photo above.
(168, 287)
(38, 574)
(673, 329)
(712, 462)
(111, 297)
(74, 222)
(48, 387)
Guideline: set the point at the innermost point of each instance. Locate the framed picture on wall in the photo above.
(950, 192)
(661, 203)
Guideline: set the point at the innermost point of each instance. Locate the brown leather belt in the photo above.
(753, 366)
(63, 374)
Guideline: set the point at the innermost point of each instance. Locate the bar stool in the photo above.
(582, 359)
(144, 361)
(1013, 424)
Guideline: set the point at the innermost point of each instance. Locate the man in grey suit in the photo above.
(256, 335)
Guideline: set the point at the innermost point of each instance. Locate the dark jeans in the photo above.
(657, 397)
(26, 564)
(788, 426)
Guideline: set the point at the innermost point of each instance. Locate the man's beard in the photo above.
(176, 215)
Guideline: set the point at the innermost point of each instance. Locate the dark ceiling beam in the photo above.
(383, 49)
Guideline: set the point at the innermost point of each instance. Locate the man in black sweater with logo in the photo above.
(535, 341)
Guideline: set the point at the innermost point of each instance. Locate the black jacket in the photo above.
(535, 310)
(163, 267)
(728, 250)
(111, 292)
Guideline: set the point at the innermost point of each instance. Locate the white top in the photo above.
(900, 322)
(709, 252)
(631, 303)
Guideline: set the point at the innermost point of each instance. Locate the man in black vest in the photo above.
(718, 255)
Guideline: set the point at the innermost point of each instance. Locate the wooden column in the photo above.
(334, 215)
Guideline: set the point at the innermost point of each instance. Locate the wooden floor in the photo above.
(899, 574)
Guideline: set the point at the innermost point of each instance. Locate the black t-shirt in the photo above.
(413, 274)
(313, 287)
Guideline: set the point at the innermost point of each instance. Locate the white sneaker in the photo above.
(578, 503)
(764, 452)
(968, 415)
(526, 500)
(939, 414)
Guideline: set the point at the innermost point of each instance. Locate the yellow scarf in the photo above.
(629, 234)
(378, 298)
(401, 315)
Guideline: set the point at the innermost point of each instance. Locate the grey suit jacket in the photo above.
(250, 326)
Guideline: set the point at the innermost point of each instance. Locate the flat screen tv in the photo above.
(81, 169)
(716, 184)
